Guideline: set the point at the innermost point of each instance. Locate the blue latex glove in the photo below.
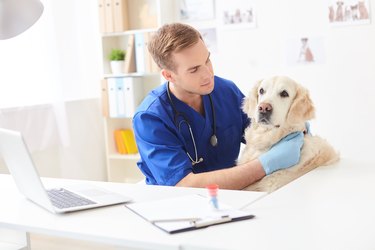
(283, 154)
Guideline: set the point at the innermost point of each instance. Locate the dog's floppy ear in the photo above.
(302, 108)
(250, 102)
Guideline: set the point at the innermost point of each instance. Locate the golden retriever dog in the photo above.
(277, 107)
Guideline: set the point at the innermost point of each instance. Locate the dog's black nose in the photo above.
(265, 108)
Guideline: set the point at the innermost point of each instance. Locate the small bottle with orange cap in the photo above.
(212, 191)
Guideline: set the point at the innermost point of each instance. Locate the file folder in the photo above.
(130, 55)
(104, 98)
(120, 15)
(129, 141)
(186, 213)
(140, 52)
(124, 95)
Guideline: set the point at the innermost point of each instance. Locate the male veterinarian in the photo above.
(189, 130)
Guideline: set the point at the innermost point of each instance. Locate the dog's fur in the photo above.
(290, 107)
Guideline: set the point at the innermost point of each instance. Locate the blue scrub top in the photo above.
(162, 146)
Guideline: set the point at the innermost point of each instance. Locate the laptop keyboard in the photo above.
(62, 198)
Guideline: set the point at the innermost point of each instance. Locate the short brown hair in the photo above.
(171, 38)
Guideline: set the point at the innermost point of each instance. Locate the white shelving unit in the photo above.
(14, 240)
(143, 16)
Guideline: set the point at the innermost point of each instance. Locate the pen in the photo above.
(197, 222)
(212, 221)
(193, 219)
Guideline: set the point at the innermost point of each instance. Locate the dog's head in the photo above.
(277, 102)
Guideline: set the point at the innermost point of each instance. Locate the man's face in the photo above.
(193, 73)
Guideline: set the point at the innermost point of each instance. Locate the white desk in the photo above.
(328, 208)
(113, 225)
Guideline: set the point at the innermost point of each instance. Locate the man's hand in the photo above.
(283, 154)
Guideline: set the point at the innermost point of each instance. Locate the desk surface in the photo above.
(332, 207)
(115, 225)
(329, 208)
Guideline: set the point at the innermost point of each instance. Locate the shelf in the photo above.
(144, 17)
(128, 32)
(11, 246)
(124, 157)
(135, 74)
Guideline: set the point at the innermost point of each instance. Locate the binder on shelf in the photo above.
(129, 141)
(140, 52)
(120, 15)
(124, 94)
(129, 56)
(120, 143)
(186, 213)
(121, 96)
(109, 25)
(132, 95)
(112, 97)
(104, 98)
(102, 21)
(125, 141)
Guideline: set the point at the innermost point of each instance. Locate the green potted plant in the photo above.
(116, 58)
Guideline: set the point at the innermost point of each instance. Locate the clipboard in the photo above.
(186, 213)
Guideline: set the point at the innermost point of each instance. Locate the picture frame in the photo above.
(236, 14)
(196, 10)
(305, 50)
(349, 12)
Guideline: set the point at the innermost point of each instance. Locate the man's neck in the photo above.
(195, 101)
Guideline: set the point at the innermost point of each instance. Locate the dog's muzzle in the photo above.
(264, 111)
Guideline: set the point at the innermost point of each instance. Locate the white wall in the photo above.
(81, 155)
(341, 88)
(73, 44)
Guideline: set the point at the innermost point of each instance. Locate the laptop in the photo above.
(57, 200)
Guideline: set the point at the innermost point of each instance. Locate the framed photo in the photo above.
(236, 13)
(349, 12)
(305, 50)
(196, 10)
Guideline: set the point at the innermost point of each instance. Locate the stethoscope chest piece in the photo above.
(213, 140)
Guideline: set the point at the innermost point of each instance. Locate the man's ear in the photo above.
(167, 74)
(302, 108)
(250, 102)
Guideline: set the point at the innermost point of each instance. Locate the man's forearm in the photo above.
(237, 177)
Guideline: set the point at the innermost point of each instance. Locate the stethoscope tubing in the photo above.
(213, 139)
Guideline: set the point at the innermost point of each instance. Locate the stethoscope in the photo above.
(185, 120)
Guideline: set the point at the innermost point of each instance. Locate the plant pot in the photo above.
(117, 67)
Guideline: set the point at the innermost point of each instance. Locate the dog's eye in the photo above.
(261, 91)
(284, 94)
